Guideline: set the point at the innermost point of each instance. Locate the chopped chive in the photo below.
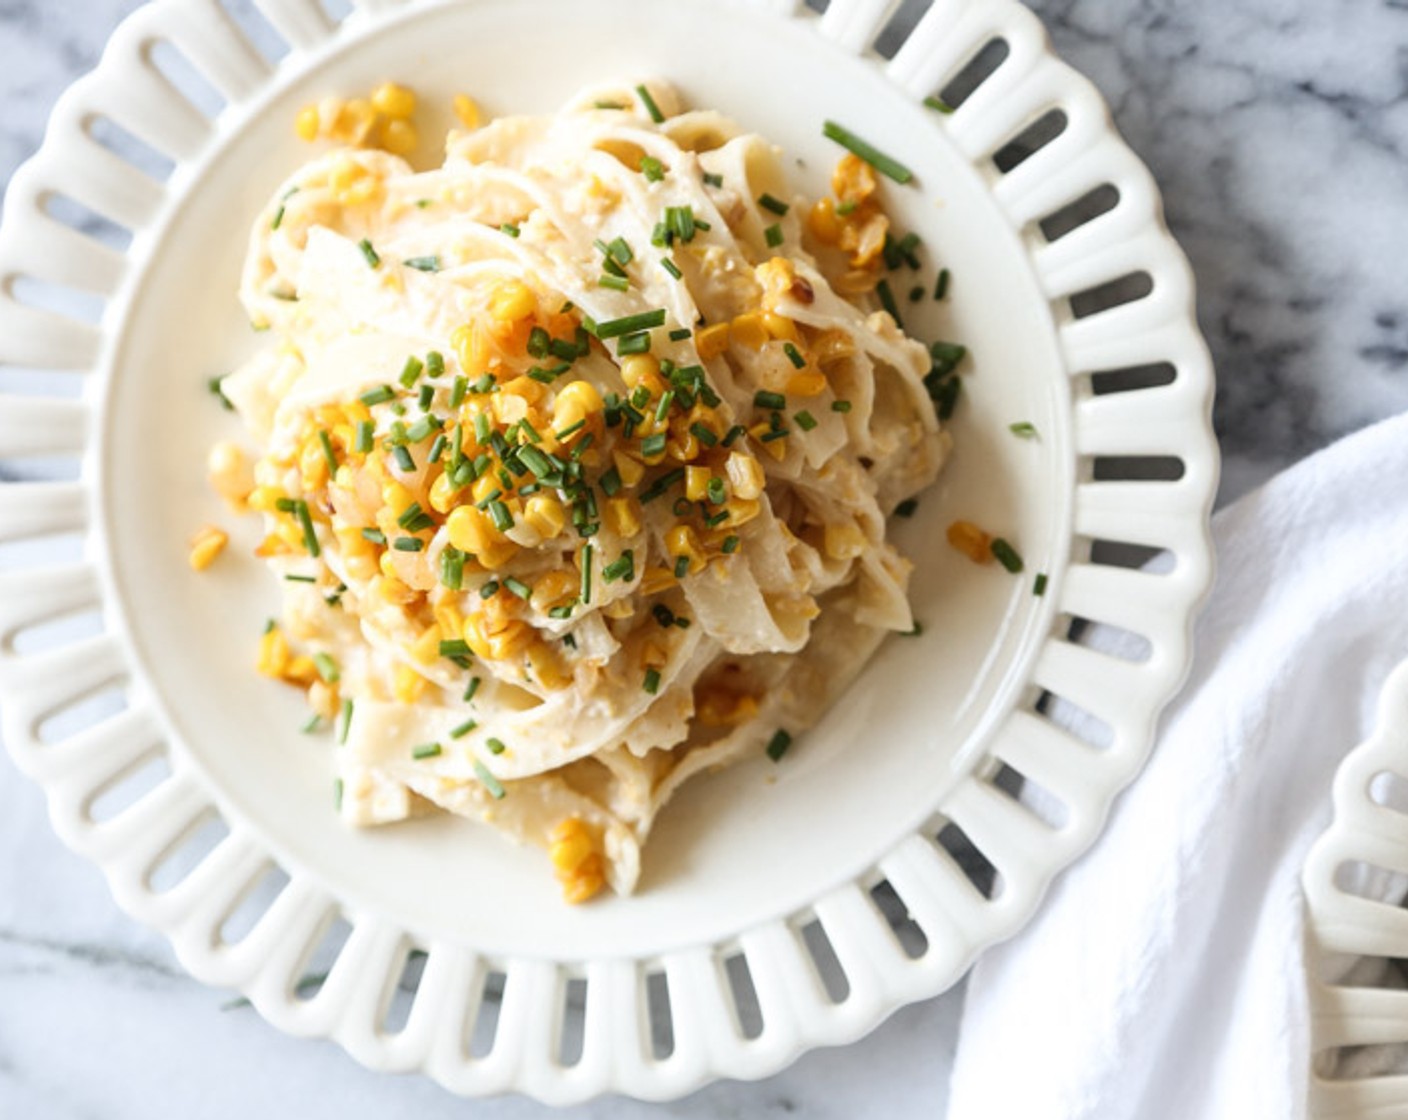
(423, 264)
(369, 253)
(776, 205)
(713, 180)
(652, 169)
(764, 399)
(652, 681)
(917, 293)
(662, 410)
(805, 420)
(435, 364)
(325, 441)
(773, 235)
(611, 482)
(615, 283)
(653, 445)
(716, 492)
(623, 567)
(327, 668)
(840, 406)
(485, 384)
(427, 750)
(426, 398)
(938, 104)
(519, 588)
(946, 356)
(411, 373)
(409, 544)
(471, 689)
(490, 783)
(452, 568)
(310, 535)
(564, 612)
(300, 579)
(777, 746)
(1024, 430)
(907, 246)
(347, 707)
(510, 229)
(886, 165)
(376, 536)
(620, 251)
(489, 590)
(681, 567)
(717, 519)
(944, 394)
(638, 343)
(794, 355)
(404, 459)
(681, 334)
(846, 209)
(774, 435)
(650, 107)
(538, 342)
(941, 285)
(379, 395)
(703, 434)
(314, 722)
(214, 386)
(458, 391)
(500, 516)
(630, 324)
(1039, 587)
(414, 519)
(437, 449)
(734, 434)
(609, 105)
(337, 795)
(906, 508)
(887, 301)
(673, 269)
(586, 573)
(916, 632)
(454, 647)
(662, 484)
(464, 729)
(730, 545)
(1006, 555)
(496, 746)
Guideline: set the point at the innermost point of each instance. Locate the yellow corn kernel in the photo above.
(777, 448)
(853, 180)
(741, 512)
(471, 530)
(230, 474)
(807, 383)
(273, 654)
(391, 591)
(748, 330)
(483, 487)
(711, 341)
(657, 580)
(586, 882)
(322, 698)
(206, 545)
(496, 554)
(472, 347)
(745, 476)
(777, 276)
(546, 515)
(396, 101)
(638, 369)
(623, 516)
(312, 466)
(576, 402)
(824, 223)
(781, 327)
(973, 542)
(398, 499)
(467, 110)
(556, 589)
(682, 540)
(408, 685)
(448, 618)
(361, 566)
(442, 494)
(510, 641)
(301, 670)
(512, 302)
(628, 153)
(387, 564)
(571, 845)
(696, 483)
(265, 498)
(426, 648)
(630, 469)
(547, 667)
(844, 540)
(832, 345)
(400, 139)
(306, 124)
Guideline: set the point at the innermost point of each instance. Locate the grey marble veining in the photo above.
(1279, 132)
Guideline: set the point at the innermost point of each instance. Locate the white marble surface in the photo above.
(1278, 129)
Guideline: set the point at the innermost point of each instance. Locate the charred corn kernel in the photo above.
(807, 383)
(748, 330)
(467, 110)
(512, 302)
(407, 684)
(844, 540)
(206, 545)
(449, 619)
(571, 844)
(711, 341)
(640, 369)
(301, 670)
(306, 124)
(832, 345)
(576, 402)
(266, 498)
(741, 512)
(396, 101)
(273, 653)
(696, 483)
(471, 530)
(426, 648)
(586, 882)
(777, 276)
(824, 223)
(630, 469)
(442, 494)
(556, 588)
(400, 139)
(781, 327)
(546, 515)
(230, 473)
(853, 180)
(970, 540)
(398, 498)
(547, 667)
(682, 540)
(657, 580)
(322, 698)
(745, 475)
(623, 516)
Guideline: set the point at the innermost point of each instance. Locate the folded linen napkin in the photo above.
(1165, 975)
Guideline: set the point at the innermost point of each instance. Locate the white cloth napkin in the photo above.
(1164, 979)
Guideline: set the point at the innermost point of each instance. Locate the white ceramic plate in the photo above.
(783, 907)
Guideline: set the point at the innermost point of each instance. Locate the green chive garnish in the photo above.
(681, 567)
(427, 750)
(379, 395)
(327, 668)
(805, 420)
(623, 567)
(778, 745)
(510, 229)
(315, 721)
(773, 235)
(730, 545)
(1024, 430)
(496, 746)
(906, 508)
(673, 269)
(652, 681)
(652, 169)
(794, 355)
(650, 107)
(887, 166)
(464, 729)
(941, 286)
(452, 568)
(703, 434)
(1007, 556)
(489, 590)
(423, 264)
(887, 301)
(586, 573)
(310, 535)
(615, 328)
(653, 445)
(938, 104)
(776, 205)
(376, 536)
(325, 441)
(409, 544)
(638, 343)
(491, 783)
(713, 180)
(840, 406)
(471, 689)
(1039, 587)
(615, 283)
(300, 579)
(519, 588)
(766, 400)
(369, 253)
(337, 795)
(347, 707)
(214, 386)
(404, 459)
